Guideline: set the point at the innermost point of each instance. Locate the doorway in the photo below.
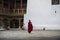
(5, 23)
(14, 23)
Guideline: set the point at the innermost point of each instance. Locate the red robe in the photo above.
(30, 27)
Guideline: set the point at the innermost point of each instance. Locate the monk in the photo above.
(30, 26)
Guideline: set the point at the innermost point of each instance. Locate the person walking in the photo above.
(30, 26)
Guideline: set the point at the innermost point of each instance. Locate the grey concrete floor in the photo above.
(24, 35)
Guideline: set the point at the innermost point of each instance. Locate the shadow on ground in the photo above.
(34, 38)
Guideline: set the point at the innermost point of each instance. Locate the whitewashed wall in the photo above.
(42, 14)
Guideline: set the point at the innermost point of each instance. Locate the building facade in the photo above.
(12, 13)
(43, 14)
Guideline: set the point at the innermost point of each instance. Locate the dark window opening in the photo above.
(55, 2)
(11, 4)
(6, 1)
(0, 1)
(5, 5)
(18, 2)
(17, 5)
(24, 3)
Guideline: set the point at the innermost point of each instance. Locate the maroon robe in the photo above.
(30, 27)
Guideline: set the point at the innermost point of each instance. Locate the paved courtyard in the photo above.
(24, 35)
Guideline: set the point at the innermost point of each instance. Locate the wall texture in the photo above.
(42, 14)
